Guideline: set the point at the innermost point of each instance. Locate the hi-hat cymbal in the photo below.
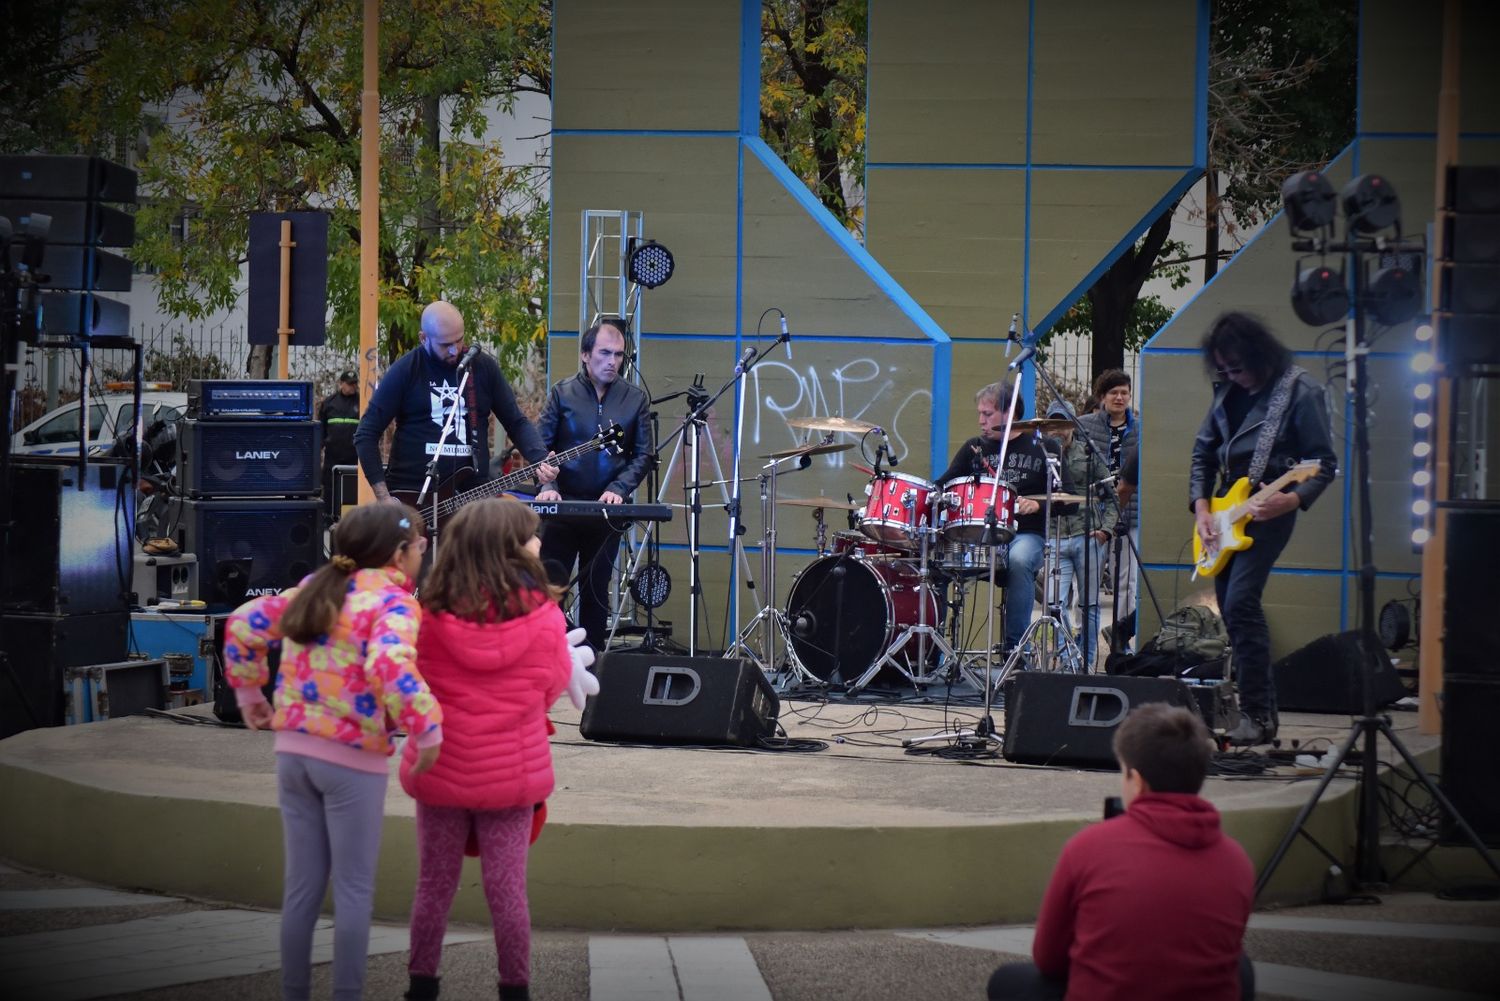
(1046, 425)
(817, 448)
(823, 502)
(832, 424)
(1056, 498)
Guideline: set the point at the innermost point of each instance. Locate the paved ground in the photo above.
(61, 939)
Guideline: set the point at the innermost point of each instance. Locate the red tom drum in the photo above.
(963, 504)
(899, 505)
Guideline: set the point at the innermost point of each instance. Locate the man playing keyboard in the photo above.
(578, 408)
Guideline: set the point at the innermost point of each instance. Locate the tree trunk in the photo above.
(431, 143)
(818, 77)
(1211, 207)
(258, 363)
(1114, 294)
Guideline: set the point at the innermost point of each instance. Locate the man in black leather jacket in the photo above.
(1248, 363)
(577, 409)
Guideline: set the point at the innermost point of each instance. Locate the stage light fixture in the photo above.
(1309, 201)
(1421, 507)
(1422, 391)
(1423, 362)
(650, 264)
(651, 585)
(1421, 450)
(1394, 295)
(1370, 204)
(1422, 420)
(1420, 536)
(1319, 296)
(1423, 333)
(1394, 627)
(1421, 478)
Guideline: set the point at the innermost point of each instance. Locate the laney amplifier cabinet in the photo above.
(1070, 719)
(248, 548)
(651, 699)
(249, 458)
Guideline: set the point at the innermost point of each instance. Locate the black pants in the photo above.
(1239, 588)
(593, 547)
(1024, 982)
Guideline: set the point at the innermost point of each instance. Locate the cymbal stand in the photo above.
(924, 631)
(1058, 646)
(770, 622)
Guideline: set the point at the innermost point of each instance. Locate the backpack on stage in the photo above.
(1192, 643)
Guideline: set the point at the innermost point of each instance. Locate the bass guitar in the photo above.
(453, 493)
(1231, 513)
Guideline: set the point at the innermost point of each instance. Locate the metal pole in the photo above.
(369, 221)
(284, 314)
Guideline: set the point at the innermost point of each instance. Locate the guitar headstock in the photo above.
(1304, 470)
(611, 438)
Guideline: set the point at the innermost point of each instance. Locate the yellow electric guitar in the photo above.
(1231, 513)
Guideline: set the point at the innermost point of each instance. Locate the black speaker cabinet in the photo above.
(1070, 719)
(40, 649)
(70, 550)
(1471, 627)
(226, 704)
(654, 699)
(1470, 755)
(250, 547)
(1325, 676)
(253, 458)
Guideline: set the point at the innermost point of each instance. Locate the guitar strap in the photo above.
(1271, 429)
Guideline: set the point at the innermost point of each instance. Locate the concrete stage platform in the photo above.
(860, 835)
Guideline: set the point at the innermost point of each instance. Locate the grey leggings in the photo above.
(330, 821)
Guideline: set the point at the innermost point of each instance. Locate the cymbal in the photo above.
(832, 424)
(1056, 498)
(1046, 425)
(818, 448)
(823, 502)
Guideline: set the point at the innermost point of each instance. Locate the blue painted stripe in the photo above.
(942, 387)
(845, 241)
(750, 67)
(796, 338)
(1200, 86)
(674, 133)
(1124, 167)
(1351, 517)
(1028, 336)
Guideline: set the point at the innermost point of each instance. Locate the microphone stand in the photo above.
(437, 454)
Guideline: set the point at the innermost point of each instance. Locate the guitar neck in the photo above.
(1294, 475)
(517, 477)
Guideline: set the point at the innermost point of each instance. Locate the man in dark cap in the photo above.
(339, 415)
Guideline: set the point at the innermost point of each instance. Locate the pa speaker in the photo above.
(70, 549)
(249, 458)
(250, 547)
(1471, 627)
(652, 699)
(1470, 756)
(1327, 676)
(40, 649)
(1070, 719)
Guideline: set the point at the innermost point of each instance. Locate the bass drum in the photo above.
(845, 613)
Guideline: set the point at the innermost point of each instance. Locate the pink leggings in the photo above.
(504, 836)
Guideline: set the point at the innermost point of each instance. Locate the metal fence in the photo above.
(1070, 361)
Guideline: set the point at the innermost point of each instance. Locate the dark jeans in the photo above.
(1239, 588)
(593, 547)
(1024, 982)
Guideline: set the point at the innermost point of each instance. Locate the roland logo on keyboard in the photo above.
(544, 508)
(256, 455)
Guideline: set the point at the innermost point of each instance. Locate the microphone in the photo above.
(786, 337)
(889, 455)
(1010, 335)
(1022, 358)
(745, 359)
(468, 358)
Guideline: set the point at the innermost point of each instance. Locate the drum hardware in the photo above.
(1060, 499)
(820, 503)
(824, 447)
(1042, 425)
(844, 424)
(923, 631)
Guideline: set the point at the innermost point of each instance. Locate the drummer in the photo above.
(1025, 473)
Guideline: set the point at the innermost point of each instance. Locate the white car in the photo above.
(56, 433)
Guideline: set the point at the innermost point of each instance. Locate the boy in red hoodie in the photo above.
(1152, 903)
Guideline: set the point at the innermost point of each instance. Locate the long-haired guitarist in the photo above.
(419, 390)
(1267, 415)
(577, 408)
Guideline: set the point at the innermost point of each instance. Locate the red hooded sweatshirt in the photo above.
(1152, 904)
(495, 682)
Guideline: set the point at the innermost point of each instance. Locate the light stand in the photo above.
(1368, 725)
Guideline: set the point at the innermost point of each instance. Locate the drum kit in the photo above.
(872, 606)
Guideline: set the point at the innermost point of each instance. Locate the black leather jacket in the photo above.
(1220, 458)
(574, 414)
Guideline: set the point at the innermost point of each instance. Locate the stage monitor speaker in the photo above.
(647, 698)
(1326, 676)
(1471, 626)
(40, 649)
(70, 549)
(250, 547)
(1070, 719)
(253, 458)
(226, 705)
(1470, 756)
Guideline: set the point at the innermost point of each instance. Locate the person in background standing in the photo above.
(339, 415)
(1114, 428)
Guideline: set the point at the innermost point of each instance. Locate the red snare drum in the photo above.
(861, 546)
(898, 506)
(845, 613)
(963, 504)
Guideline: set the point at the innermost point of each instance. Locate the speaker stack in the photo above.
(248, 468)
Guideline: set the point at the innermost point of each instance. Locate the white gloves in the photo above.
(582, 684)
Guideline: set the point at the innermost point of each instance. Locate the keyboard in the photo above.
(572, 510)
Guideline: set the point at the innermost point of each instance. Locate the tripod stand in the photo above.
(1368, 725)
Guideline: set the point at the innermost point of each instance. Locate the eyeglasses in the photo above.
(1225, 373)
